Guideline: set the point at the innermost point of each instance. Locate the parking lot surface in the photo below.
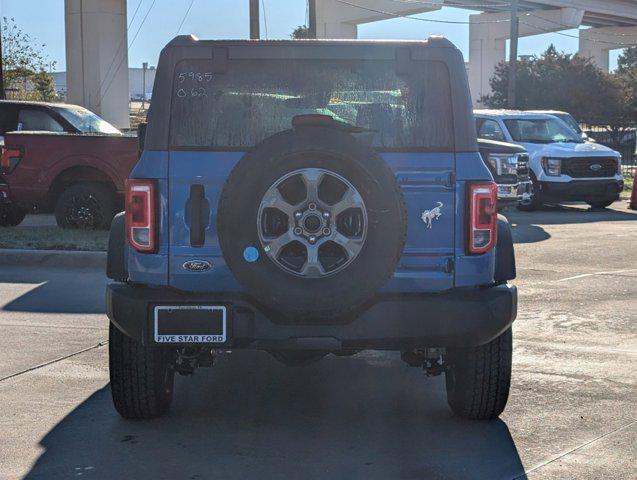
(572, 411)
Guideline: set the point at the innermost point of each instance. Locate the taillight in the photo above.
(10, 158)
(483, 214)
(140, 214)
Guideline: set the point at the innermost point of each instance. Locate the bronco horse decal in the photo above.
(428, 216)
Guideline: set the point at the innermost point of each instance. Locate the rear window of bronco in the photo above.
(254, 99)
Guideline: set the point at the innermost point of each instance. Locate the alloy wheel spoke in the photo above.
(351, 245)
(312, 178)
(351, 199)
(274, 199)
(312, 265)
(275, 246)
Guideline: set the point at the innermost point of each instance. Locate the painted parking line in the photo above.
(612, 272)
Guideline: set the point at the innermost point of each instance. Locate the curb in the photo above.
(52, 258)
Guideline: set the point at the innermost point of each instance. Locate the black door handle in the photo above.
(198, 215)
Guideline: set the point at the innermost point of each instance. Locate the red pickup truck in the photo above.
(64, 159)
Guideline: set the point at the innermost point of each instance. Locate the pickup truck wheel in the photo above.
(11, 215)
(478, 378)
(141, 377)
(85, 206)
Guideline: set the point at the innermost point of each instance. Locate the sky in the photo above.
(219, 19)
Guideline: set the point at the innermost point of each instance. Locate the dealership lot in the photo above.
(571, 414)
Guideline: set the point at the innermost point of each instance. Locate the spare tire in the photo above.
(312, 223)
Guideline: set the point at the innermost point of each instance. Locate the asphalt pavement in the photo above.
(572, 411)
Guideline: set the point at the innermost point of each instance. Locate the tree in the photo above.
(24, 64)
(627, 76)
(560, 81)
(627, 60)
(302, 31)
(44, 86)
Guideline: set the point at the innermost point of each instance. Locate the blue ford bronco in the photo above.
(308, 198)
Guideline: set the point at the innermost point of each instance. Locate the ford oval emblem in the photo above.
(197, 265)
(596, 167)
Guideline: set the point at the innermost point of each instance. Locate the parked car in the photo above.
(321, 197)
(65, 159)
(509, 165)
(568, 119)
(563, 167)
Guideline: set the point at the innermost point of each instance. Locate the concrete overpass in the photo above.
(613, 25)
(97, 44)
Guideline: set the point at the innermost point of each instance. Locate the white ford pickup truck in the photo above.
(563, 167)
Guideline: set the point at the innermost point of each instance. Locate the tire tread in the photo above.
(135, 373)
(482, 377)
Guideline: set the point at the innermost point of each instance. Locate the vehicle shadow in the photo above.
(56, 290)
(527, 227)
(367, 416)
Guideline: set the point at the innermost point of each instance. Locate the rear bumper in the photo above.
(466, 317)
(582, 190)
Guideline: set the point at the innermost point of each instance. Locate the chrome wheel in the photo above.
(312, 222)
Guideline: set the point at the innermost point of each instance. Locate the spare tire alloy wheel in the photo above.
(318, 236)
(312, 224)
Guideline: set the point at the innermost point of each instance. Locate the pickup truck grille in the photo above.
(523, 167)
(580, 167)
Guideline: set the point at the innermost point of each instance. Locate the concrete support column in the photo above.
(97, 57)
(339, 20)
(488, 33)
(596, 43)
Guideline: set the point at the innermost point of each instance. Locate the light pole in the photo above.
(254, 19)
(144, 68)
(513, 54)
(312, 19)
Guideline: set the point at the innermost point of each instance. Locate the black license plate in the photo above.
(190, 324)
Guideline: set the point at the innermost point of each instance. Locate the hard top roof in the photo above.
(223, 53)
(434, 41)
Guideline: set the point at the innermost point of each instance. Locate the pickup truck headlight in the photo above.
(619, 166)
(552, 166)
(504, 164)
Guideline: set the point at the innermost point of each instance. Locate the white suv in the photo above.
(563, 167)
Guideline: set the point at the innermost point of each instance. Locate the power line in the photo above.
(119, 48)
(450, 4)
(592, 40)
(431, 20)
(265, 19)
(607, 34)
(181, 24)
(458, 22)
(129, 46)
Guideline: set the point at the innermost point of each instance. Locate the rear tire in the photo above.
(600, 205)
(85, 206)
(141, 377)
(478, 378)
(11, 215)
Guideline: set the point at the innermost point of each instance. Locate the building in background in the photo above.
(135, 83)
